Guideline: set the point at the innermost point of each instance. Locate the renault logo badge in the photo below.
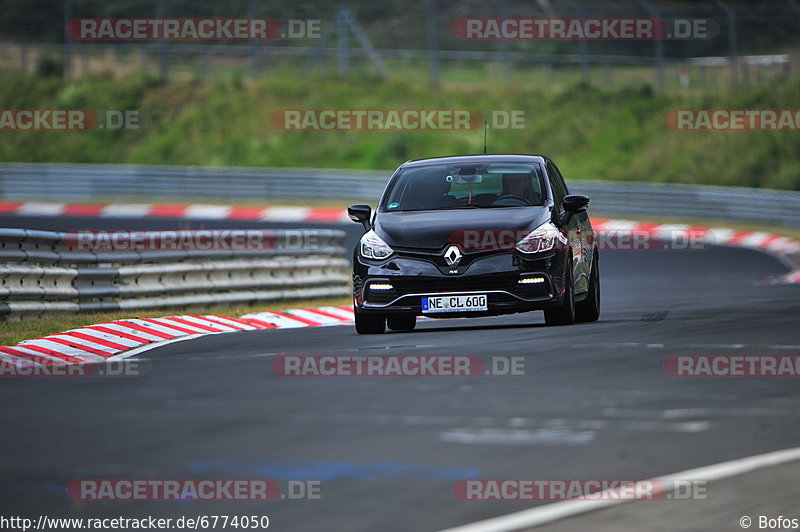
(452, 256)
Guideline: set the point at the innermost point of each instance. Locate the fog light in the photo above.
(531, 280)
(381, 286)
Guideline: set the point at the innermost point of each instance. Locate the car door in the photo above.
(576, 227)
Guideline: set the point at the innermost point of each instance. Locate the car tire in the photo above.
(401, 322)
(588, 310)
(564, 313)
(370, 323)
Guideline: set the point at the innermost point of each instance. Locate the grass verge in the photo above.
(593, 133)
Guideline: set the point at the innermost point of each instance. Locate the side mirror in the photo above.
(360, 213)
(576, 203)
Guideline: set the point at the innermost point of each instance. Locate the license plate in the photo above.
(468, 303)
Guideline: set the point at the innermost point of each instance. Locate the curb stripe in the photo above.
(260, 323)
(301, 319)
(168, 325)
(114, 340)
(212, 327)
(19, 353)
(99, 341)
(89, 349)
(188, 324)
(156, 328)
(83, 210)
(233, 322)
(53, 354)
(128, 327)
(322, 312)
(120, 333)
(81, 354)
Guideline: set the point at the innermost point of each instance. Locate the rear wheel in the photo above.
(589, 309)
(401, 322)
(369, 323)
(564, 313)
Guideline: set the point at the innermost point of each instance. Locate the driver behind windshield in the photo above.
(517, 185)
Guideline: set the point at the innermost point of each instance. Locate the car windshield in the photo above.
(465, 186)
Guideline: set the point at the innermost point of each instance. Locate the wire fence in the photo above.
(745, 42)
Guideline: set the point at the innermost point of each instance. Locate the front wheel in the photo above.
(564, 313)
(589, 309)
(369, 323)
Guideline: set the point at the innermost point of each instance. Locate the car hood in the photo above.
(432, 230)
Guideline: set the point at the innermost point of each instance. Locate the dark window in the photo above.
(558, 186)
(496, 184)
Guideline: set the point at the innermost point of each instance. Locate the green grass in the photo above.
(13, 332)
(593, 133)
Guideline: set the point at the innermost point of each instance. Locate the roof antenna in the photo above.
(484, 137)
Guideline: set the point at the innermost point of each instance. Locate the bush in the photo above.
(49, 67)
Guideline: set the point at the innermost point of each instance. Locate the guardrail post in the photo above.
(23, 59)
(787, 67)
(658, 45)
(547, 72)
(583, 44)
(68, 5)
(343, 41)
(732, 53)
(366, 44)
(252, 43)
(502, 8)
(162, 45)
(432, 42)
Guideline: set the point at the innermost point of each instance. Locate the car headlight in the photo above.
(543, 238)
(373, 247)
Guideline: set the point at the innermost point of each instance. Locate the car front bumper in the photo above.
(497, 275)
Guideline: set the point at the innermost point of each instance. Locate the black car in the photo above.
(475, 235)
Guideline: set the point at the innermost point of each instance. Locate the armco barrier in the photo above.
(93, 182)
(40, 272)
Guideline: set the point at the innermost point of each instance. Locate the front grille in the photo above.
(421, 285)
(437, 257)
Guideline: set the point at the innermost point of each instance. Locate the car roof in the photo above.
(477, 159)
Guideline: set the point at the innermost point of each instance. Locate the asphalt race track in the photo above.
(594, 402)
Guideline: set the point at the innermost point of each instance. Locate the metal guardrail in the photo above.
(91, 181)
(665, 200)
(42, 272)
(84, 182)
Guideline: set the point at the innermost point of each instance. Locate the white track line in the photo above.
(549, 513)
